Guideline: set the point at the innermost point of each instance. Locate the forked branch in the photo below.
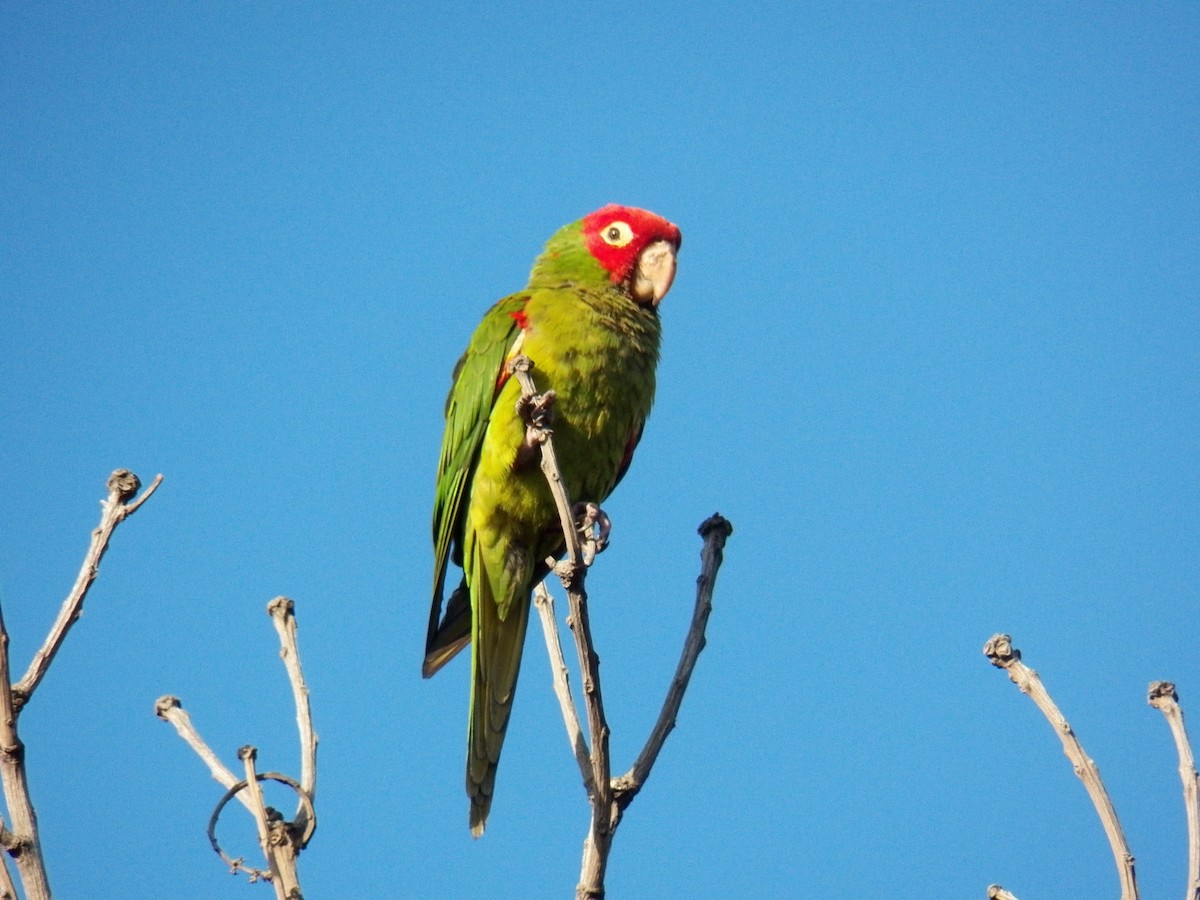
(281, 841)
(22, 842)
(123, 485)
(584, 538)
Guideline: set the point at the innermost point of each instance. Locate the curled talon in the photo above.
(524, 407)
(603, 529)
(593, 524)
(542, 409)
(537, 410)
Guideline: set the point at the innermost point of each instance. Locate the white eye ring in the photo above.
(617, 234)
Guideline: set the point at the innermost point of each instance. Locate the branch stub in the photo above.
(1000, 651)
(124, 484)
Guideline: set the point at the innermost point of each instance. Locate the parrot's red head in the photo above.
(637, 248)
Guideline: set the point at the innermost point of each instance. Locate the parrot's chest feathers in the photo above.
(600, 349)
(600, 363)
(598, 354)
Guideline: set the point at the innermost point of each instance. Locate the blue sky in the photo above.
(933, 349)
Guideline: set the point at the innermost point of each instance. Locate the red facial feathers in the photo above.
(616, 235)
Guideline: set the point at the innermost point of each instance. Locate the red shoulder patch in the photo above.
(515, 349)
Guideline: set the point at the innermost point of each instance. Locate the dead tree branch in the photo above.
(585, 531)
(1004, 655)
(122, 486)
(715, 530)
(22, 842)
(249, 755)
(282, 612)
(1162, 696)
(281, 841)
(544, 602)
(170, 709)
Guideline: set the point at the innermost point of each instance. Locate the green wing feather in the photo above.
(477, 377)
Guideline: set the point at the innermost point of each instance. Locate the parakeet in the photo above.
(589, 321)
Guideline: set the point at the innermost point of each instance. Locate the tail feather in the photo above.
(496, 645)
(452, 635)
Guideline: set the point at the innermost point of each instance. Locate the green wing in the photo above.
(477, 379)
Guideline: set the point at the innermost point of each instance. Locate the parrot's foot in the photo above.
(594, 527)
(537, 412)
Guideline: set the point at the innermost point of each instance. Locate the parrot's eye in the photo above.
(618, 234)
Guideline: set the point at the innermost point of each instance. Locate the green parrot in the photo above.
(588, 320)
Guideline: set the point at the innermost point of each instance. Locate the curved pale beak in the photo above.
(655, 272)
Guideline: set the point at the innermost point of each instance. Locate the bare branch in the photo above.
(122, 486)
(24, 844)
(1162, 696)
(281, 841)
(715, 530)
(605, 813)
(608, 797)
(169, 709)
(286, 840)
(1004, 655)
(248, 755)
(562, 689)
(282, 612)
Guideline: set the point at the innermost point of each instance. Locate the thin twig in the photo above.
(282, 613)
(248, 755)
(122, 486)
(1162, 696)
(544, 603)
(1004, 655)
(715, 530)
(169, 709)
(605, 814)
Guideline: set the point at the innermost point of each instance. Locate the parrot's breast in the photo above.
(597, 352)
